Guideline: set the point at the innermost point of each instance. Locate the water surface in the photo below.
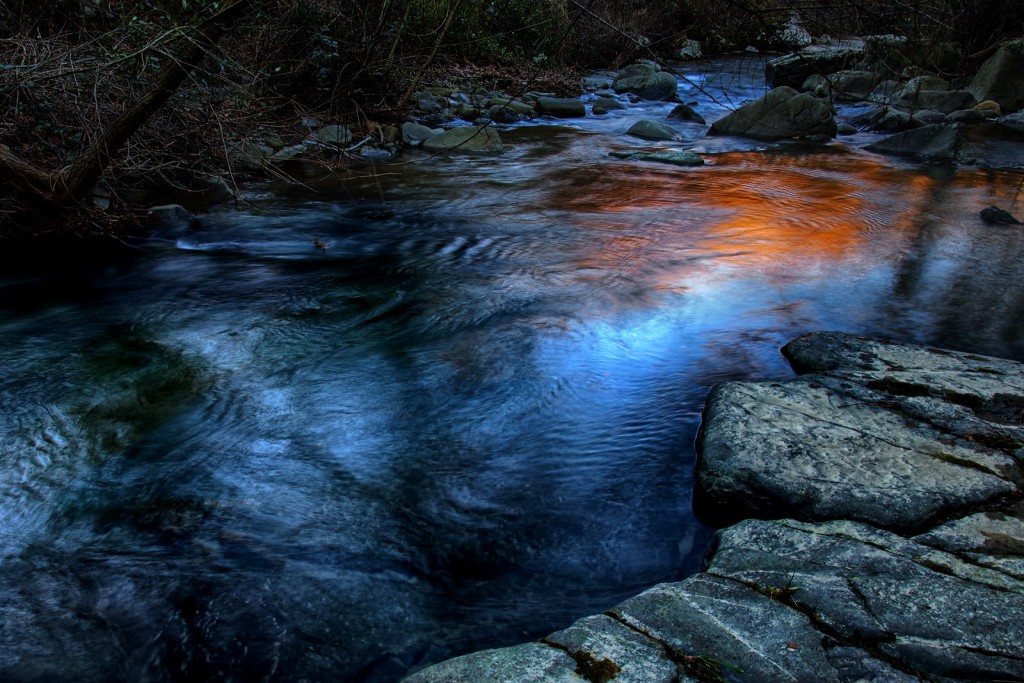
(465, 423)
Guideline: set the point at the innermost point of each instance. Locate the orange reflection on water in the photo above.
(772, 212)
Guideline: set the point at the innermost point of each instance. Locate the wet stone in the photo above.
(602, 644)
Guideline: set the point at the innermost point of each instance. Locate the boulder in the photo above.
(850, 86)
(653, 86)
(530, 662)
(690, 50)
(674, 157)
(1001, 78)
(638, 69)
(969, 116)
(684, 112)
(334, 135)
(608, 103)
(993, 215)
(415, 134)
(926, 82)
(716, 625)
(652, 130)
(885, 92)
(782, 113)
(518, 106)
(885, 120)
(561, 107)
(502, 114)
(466, 140)
(945, 101)
(926, 611)
(793, 69)
(889, 437)
(938, 142)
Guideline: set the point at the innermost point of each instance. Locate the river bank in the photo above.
(903, 464)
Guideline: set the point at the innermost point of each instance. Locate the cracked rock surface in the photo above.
(903, 465)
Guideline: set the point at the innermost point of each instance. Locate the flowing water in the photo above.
(468, 421)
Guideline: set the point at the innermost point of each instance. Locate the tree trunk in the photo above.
(70, 184)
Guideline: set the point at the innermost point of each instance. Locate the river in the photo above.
(466, 422)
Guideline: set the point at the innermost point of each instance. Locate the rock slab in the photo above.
(782, 113)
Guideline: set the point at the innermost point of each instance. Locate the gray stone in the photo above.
(467, 112)
(528, 663)
(793, 69)
(941, 142)
(945, 101)
(885, 92)
(654, 86)
(996, 216)
(992, 539)
(608, 103)
(689, 50)
(830, 445)
(685, 112)
(1001, 77)
(501, 114)
(927, 609)
(289, 153)
(561, 107)
(850, 86)
(652, 130)
(968, 116)
(846, 129)
(926, 82)
(638, 69)
(821, 449)
(415, 134)
(782, 113)
(518, 106)
(928, 117)
(602, 644)
(813, 82)
(466, 140)
(335, 135)
(674, 157)
(710, 619)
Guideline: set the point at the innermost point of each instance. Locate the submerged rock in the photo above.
(674, 157)
(685, 112)
(782, 113)
(652, 130)
(1001, 77)
(997, 216)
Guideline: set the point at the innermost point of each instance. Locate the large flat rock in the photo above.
(898, 436)
(911, 605)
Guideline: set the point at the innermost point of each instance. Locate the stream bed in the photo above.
(468, 420)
